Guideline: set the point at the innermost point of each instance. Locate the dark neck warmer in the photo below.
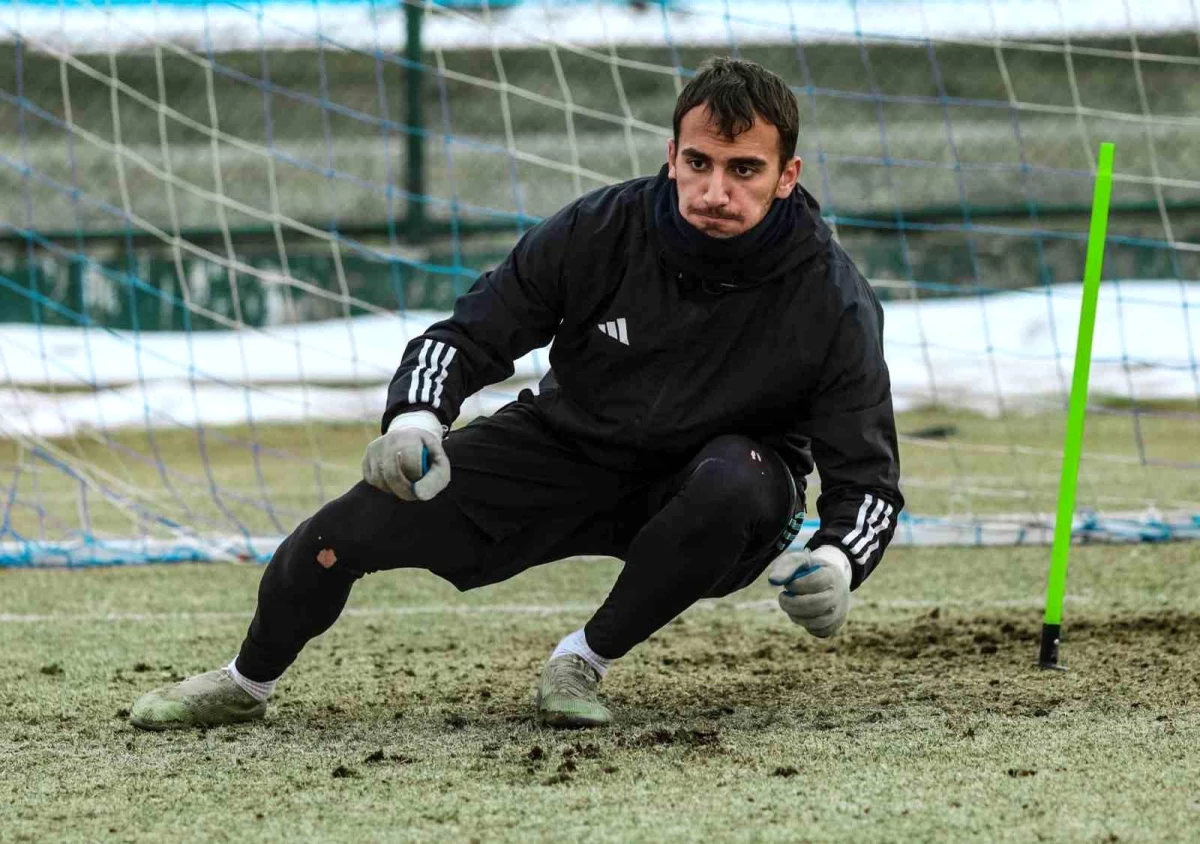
(726, 251)
(785, 236)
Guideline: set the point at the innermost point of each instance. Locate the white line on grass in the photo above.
(510, 609)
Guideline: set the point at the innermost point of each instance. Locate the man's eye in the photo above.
(744, 171)
(696, 164)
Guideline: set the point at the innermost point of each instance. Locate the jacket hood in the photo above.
(791, 232)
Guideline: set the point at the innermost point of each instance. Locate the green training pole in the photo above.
(1056, 585)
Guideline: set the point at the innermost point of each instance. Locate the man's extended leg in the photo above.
(305, 588)
(709, 530)
(516, 492)
(308, 581)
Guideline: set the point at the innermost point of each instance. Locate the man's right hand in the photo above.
(409, 461)
(816, 588)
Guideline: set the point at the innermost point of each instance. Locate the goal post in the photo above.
(223, 220)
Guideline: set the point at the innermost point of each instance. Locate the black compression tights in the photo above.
(708, 530)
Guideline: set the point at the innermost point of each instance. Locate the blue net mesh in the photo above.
(224, 220)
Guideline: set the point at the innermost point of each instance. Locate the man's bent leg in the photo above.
(715, 533)
(707, 530)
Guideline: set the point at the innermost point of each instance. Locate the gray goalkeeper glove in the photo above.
(409, 461)
(816, 588)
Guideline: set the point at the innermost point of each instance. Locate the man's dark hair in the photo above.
(735, 91)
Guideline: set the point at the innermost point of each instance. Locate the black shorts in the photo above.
(520, 496)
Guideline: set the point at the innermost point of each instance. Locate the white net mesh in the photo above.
(223, 221)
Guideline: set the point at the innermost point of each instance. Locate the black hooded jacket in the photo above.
(664, 338)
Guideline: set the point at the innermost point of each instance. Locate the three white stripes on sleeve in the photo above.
(426, 381)
(871, 520)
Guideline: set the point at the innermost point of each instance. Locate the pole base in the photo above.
(1048, 654)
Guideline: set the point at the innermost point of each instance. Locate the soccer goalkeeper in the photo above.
(710, 342)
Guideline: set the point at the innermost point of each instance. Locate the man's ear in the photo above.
(789, 178)
(671, 158)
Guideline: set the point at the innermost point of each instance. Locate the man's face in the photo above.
(726, 186)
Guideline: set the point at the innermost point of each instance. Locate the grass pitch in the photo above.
(411, 719)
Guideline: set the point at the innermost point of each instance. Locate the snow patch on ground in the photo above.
(1004, 351)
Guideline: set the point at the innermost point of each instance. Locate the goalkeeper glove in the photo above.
(816, 588)
(409, 461)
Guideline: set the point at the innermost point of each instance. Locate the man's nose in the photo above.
(715, 194)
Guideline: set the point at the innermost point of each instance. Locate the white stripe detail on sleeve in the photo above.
(414, 383)
(882, 526)
(441, 377)
(872, 527)
(858, 524)
(610, 328)
(862, 558)
(870, 522)
(624, 338)
(431, 371)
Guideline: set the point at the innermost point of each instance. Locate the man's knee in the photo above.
(366, 531)
(733, 476)
(337, 538)
(319, 540)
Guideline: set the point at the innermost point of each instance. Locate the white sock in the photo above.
(576, 643)
(256, 690)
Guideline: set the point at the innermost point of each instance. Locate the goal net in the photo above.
(223, 220)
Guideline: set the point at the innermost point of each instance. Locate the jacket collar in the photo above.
(790, 233)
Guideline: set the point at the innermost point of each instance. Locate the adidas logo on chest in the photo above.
(616, 329)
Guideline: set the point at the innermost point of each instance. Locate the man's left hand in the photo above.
(816, 588)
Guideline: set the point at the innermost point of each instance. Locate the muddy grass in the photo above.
(411, 719)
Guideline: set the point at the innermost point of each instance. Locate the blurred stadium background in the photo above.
(221, 222)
